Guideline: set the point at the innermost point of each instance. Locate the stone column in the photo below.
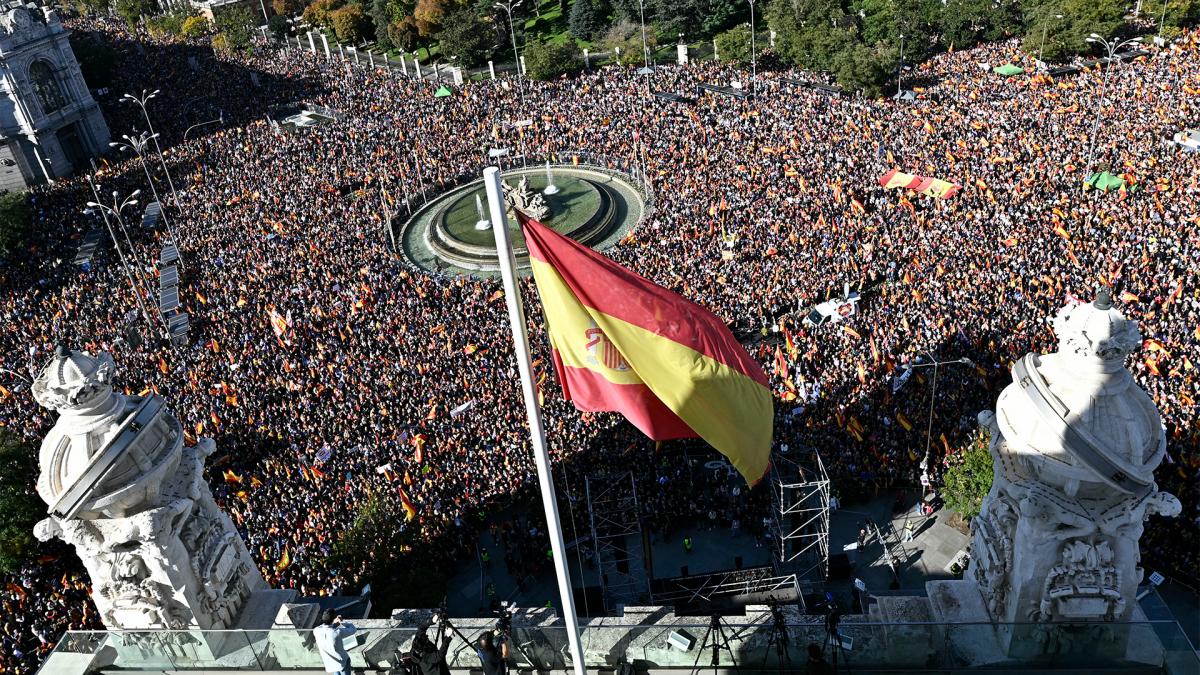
(325, 43)
(492, 68)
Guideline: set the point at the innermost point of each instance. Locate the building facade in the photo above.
(49, 124)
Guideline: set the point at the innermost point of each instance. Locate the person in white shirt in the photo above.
(329, 637)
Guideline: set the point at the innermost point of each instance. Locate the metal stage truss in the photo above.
(729, 589)
(618, 540)
(800, 491)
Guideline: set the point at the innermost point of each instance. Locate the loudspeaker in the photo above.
(681, 640)
(839, 567)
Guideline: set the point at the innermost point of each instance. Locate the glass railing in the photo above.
(912, 647)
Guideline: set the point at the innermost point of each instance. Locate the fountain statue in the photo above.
(525, 200)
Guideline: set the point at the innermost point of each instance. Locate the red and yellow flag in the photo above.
(623, 344)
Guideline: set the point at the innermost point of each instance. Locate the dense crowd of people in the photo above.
(762, 207)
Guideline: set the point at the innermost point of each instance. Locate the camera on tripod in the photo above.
(504, 618)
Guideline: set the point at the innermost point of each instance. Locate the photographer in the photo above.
(328, 637)
(427, 658)
(493, 659)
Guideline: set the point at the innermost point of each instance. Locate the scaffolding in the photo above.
(800, 492)
(617, 539)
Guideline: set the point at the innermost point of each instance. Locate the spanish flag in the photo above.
(410, 511)
(623, 344)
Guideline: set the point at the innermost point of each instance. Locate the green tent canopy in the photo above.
(1105, 181)
(1008, 70)
(442, 91)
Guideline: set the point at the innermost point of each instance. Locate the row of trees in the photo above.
(860, 41)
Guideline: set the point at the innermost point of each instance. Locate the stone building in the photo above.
(49, 124)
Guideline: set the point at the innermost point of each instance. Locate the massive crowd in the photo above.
(762, 207)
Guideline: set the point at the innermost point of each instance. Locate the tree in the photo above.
(349, 24)
(627, 36)
(380, 16)
(1068, 36)
(287, 7)
(132, 10)
(317, 14)
(237, 26)
(465, 36)
(969, 479)
(862, 67)
(428, 15)
(278, 26)
(588, 18)
(15, 219)
(94, 6)
(546, 62)
(734, 44)
(20, 507)
(403, 34)
(194, 27)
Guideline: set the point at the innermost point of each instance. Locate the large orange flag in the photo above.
(623, 344)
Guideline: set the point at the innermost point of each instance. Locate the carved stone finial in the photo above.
(74, 382)
(1103, 299)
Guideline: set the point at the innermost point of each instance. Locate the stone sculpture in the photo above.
(125, 492)
(1074, 445)
(525, 200)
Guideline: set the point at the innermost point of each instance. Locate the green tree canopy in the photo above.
(734, 44)
(969, 478)
(466, 36)
(546, 62)
(237, 26)
(20, 507)
(627, 36)
(194, 27)
(131, 10)
(588, 18)
(278, 25)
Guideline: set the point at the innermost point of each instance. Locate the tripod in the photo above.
(716, 638)
(833, 641)
(778, 638)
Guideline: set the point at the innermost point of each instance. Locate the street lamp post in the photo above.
(1045, 27)
(645, 48)
(508, 6)
(1112, 47)
(146, 96)
(138, 146)
(1161, 18)
(932, 397)
(115, 209)
(219, 120)
(900, 70)
(753, 56)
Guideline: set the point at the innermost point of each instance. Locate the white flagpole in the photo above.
(516, 318)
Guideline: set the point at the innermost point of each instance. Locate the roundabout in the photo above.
(452, 233)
